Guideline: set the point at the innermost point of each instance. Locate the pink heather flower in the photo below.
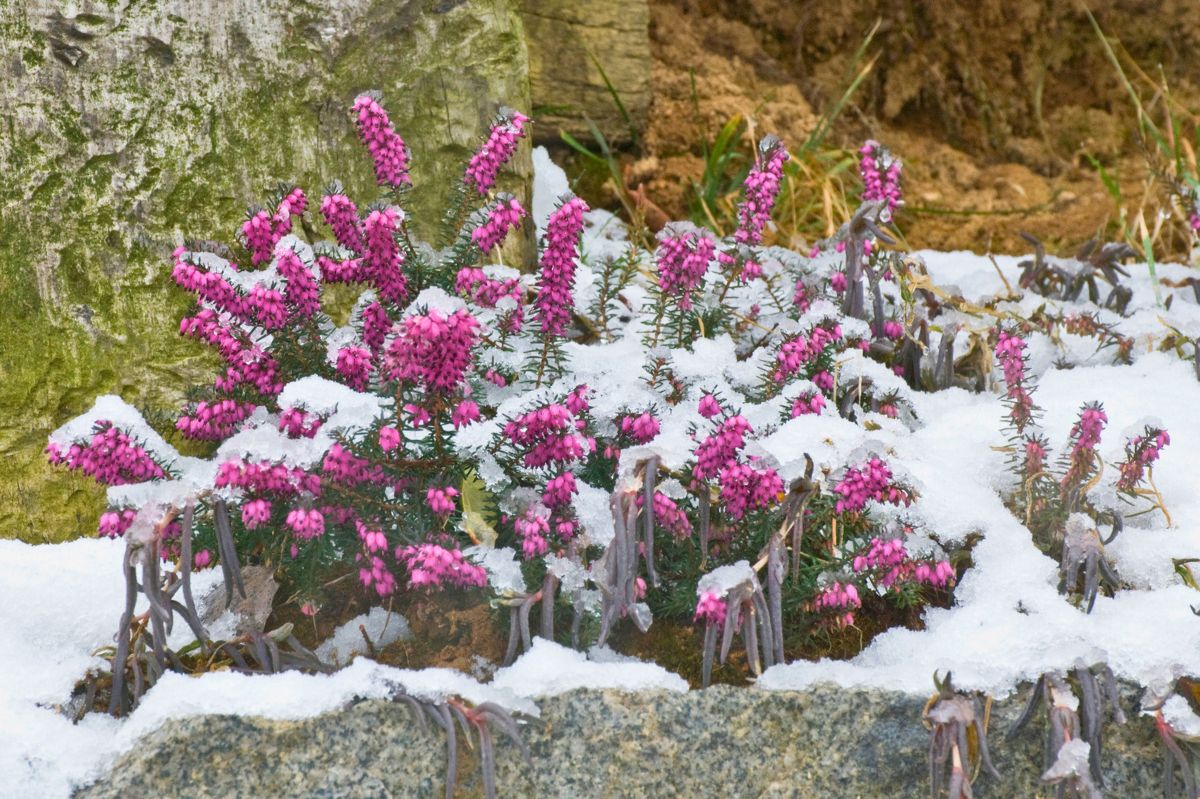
(759, 191)
(1035, 455)
(800, 297)
(720, 449)
(937, 575)
(263, 230)
(389, 438)
(256, 513)
(559, 490)
(744, 489)
(668, 514)
(433, 350)
(799, 350)
(473, 283)
(504, 215)
(1085, 436)
(354, 365)
(373, 540)
(837, 282)
(441, 500)
(464, 413)
(682, 262)
(301, 294)
(499, 147)
(547, 435)
(823, 380)
(577, 401)
(435, 566)
(341, 214)
(709, 407)
(840, 598)
(532, 528)
(1140, 452)
(641, 429)
(379, 576)
(111, 457)
(202, 559)
(871, 480)
(375, 326)
(880, 175)
(297, 423)
(113, 523)
(349, 271)
(214, 421)
(710, 609)
(387, 149)
(893, 330)
(559, 253)
(495, 378)
(384, 259)
(418, 416)
(811, 402)
(306, 523)
(346, 468)
(266, 477)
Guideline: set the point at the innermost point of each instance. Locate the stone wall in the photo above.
(129, 125)
(722, 742)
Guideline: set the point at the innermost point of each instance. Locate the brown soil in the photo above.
(994, 106)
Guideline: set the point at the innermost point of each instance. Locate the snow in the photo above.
(549, 669)
(380, 625)
(59, 603)
(723, 579)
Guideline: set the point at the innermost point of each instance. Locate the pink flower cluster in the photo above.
(434, 350)
(532, 528)
(720, 449)
(248, 363)
(387, 149)
(709, 407)
(559, 490)
(344, 467)
(744, 489)
(265, 476)
(341, 214)
(1140, 452)
(668, 514)
(389, 438)
(499, 147)
(548, 434)
(383, 260)
(1010, 352)
(110, 457)
(435, 566)
(506, 214)
(760, 190)
(376, 325)
(114, 523)
(872, 480)
(307, 523)
(464, 413)
(710, 609)
(890, 559)
(441, 500)
(256, 513)
(262, 231)
(473, 284)
(840, 598)
(799, 350)
(682, 262)
(354, 365)
(811, 402)
(641, 429)
(213, 421)
(560, 251)
(301, 292)
(1085, 436)
(299, 423)
(880, 173)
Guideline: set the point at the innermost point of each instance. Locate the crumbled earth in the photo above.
(996, 139)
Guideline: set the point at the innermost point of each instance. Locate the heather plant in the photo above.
(534, 441)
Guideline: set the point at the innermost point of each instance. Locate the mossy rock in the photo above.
(131, 125)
